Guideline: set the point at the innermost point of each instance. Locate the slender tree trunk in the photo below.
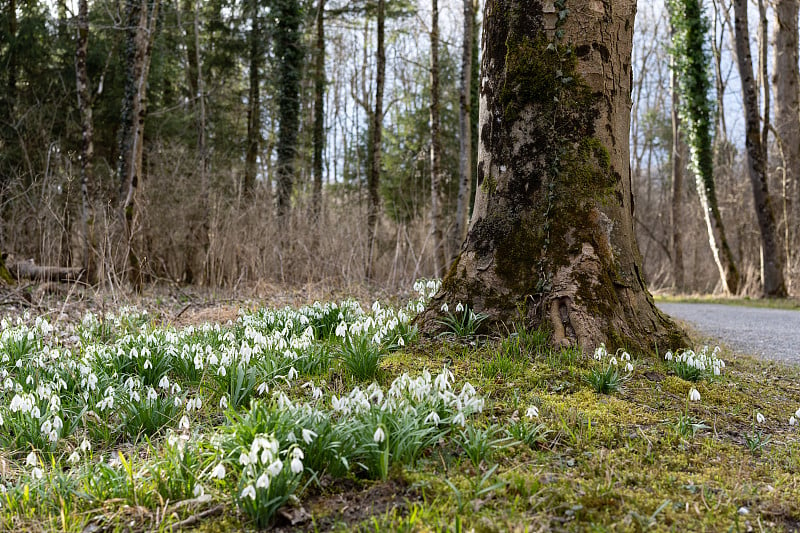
(375, 143)
(437, 219)
(191, 55)
(253, 102)
(289, 52)
(141, 33)
(786, 84)
(551, 237)
(202, 226)
(12, 58)
(88, 187)
(465, 129)
(774, 285)
(763, 75)
(690, 27)
(319, 111)
(677, 189)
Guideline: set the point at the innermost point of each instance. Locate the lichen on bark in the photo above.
(552, 234)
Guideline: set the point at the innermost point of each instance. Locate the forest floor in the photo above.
(224, 413)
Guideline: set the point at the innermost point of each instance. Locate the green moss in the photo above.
(489, 185)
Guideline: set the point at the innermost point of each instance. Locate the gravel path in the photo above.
(772, 333)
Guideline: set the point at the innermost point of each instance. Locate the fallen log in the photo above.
(29, 270)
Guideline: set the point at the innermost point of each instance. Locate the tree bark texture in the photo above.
(88, 186)
(774, 285)
(441, 257)
(551, 239)
(465, 129)
(376, 135)
(786, 84)
(253, 102)
(319, 110)
(289, 53)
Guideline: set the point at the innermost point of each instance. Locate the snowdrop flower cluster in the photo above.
(601, 354)
(702, 361)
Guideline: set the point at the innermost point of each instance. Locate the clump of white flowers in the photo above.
(694, 366)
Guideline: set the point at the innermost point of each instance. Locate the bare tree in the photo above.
(773, 260)
(375, 139)
(437, 220)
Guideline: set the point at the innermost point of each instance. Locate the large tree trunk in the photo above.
(289, 53)
(375, 141)
(551, 237)
(786, 84)
(319, 111)
(141, 18)
(253, 102)
(440, 255)
(774, 285)
(465, 128)
(679, 284)
(88, 186)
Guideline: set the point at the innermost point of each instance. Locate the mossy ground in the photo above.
(612, 462)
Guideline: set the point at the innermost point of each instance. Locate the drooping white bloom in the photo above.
(198, 490)
(184, 423)
(694, 395)
(792, 421)
(459, 307)
(37, 473)
(218, 472)
(668, 356)
(263, 481)
(296, 465)
(31, 459)
(379, 436)
(223, 403)
(532, 412)
(308, 435)
(433, 418)
(628, 367)
(760, 418)
(275, 467)
(249, 492)
(445, 308)
(74, 457)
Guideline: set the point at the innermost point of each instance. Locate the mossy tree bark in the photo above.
(551, 239)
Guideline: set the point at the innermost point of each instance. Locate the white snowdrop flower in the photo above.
(223, 403)
(760, 418)
(797, 413)
(308, 435)
(37, 473)
(694, 395)
(31, 459)
(400, 341)
(460, 419)
(86, 446)
(263, 481)
(445, 308)
(35, 412)
(184, 423)
(379, 436)
(164, 382)
(668, 356)
(52, 436)
(175, 389)
(459, 308)
(177, 401)
(275, 467)
(629, 367)
(47, 426)
(613, 361)
(218, 472)
(244, 459)
(296, 465)
(532, 412)
(198, 490)
(433, 418)
(792, 421)
(148, 365)
(249, 492)
(152, 395)
(262, 389)
(1, 420)
(74, 457)
(222, 372)
(292, 374)
(625, 356)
